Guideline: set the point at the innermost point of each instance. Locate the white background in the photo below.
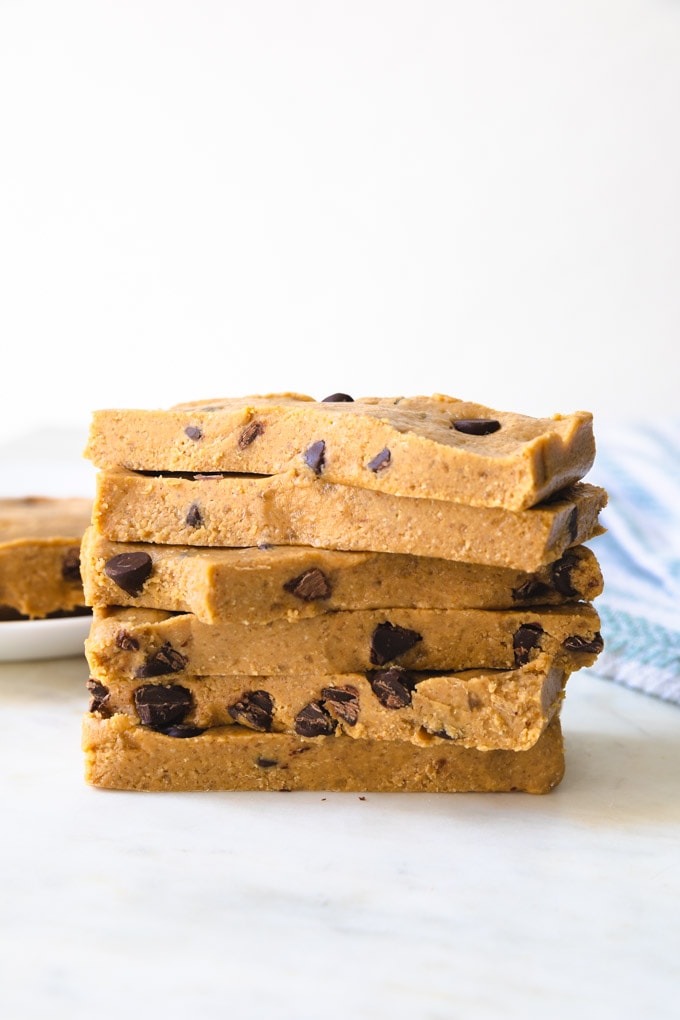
(201, 199)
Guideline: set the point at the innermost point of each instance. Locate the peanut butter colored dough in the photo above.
(486, 709)
(407, 446)
(259, 585)
(122, 755)
(293, 510)
(40, 555)
(145, 643)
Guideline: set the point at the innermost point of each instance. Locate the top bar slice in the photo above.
(434, 447)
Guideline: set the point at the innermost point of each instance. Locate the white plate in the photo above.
(43, 639)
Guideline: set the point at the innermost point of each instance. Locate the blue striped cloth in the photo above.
(639, 465)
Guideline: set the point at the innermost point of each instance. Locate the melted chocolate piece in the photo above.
(338, 398)
(255, 709)
(381, 461)
(126, 642)
(250, 434)
(181, 730)
(310, 586)
(524, 640)
(193, 517)
(100, 695)
(572, 524)
(578, 643)
(166, 660)
(314, 721)
(266, 763)
(193, 432)
(344, 701)
(70, 566)
(533, 590)
(130, 571)
(162, 705)
(476, 426)
(388, 642)
(561, 575)
(315, 456)
(392, 687)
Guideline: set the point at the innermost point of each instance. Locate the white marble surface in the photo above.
(296, 905)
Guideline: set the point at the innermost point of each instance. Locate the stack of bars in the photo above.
(376, 594)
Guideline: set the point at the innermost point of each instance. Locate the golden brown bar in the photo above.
(260, 585)
(144, 643)
(121, 755)
(295, 510)
(40, 555)
(436, 447)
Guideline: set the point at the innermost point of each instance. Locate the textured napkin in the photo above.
(639, 466)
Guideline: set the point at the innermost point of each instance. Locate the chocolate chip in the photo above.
(129, 571)
(476, 426)
(126, 642)
(250, 434)
(160, 705)
(181, 730)
(338, 398)
(255, 709)
(100, 695)
(315, 456)
(166, 660)
(561, 574)
(70, 566)
(531, 589)
(440, 733)
(344, 701)
(310, 586)
(389, 641)
(392, 687)
(474, 701)
(193, 517)
(380, 461)
(572, 524)
(578, 643)
(525, 638)
(193, 433)
(314, 721)
(266, 763)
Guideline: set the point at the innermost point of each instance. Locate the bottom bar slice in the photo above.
(122, 755)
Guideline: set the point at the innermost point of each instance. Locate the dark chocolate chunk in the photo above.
(266, 763)
(100, 695)
(126, 642)
(255, 709)
(250, 434)
(70, 565)
(130, 571)
(315, 456)
(310, 586)
(440, 733)
(160, 705)
(193, 432)
(314, 721)
(181, 730)
(578, 643)
(525, 638)
(338, 398)
(476, 426)
(166, 660)
(389, 641)
(572, 524)
(561, 574)
(344, 701)
(533, 590)
(381, 461)
(392, 687)
(193, 517)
